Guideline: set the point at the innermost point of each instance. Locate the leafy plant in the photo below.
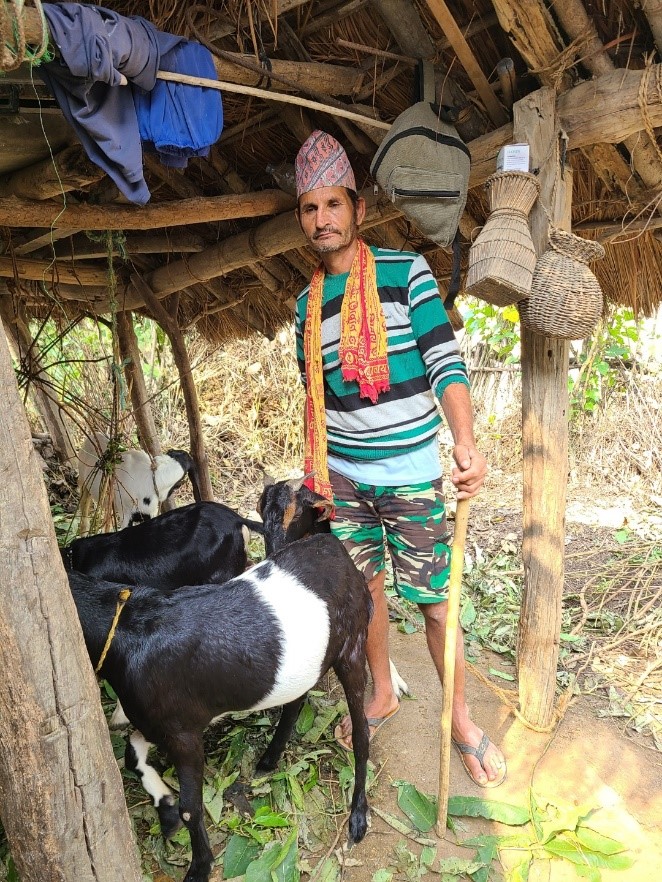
(600, 360)
(494, 326)
(547, 832)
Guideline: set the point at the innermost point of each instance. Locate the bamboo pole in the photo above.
(450, 650)
(267, 95)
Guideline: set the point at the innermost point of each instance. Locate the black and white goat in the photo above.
(289, 511)
(179, 659)
(140, 482)
(198, 544)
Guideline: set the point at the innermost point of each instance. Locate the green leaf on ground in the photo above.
(277, 863)
(563, 848)
(419, 808)
(598, 842)
(305, 719)
(325, 716)
(239, 853)
(502, 674)
(492, 810)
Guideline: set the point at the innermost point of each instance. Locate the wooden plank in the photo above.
(16, 212)
(70, 169)
(544, 437)
(467, 59)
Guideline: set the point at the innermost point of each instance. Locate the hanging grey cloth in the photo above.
(97, 46)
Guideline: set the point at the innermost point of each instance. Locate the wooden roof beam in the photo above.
(467, 59)
(645, 155)
(16, 212)
(70, 169)
(652, 9)
(403, 21)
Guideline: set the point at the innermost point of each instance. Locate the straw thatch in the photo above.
(44, 265)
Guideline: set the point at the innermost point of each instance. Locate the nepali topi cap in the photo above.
(322, 162)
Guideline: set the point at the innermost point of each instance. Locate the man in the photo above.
(376, 349)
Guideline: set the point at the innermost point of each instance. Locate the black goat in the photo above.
(290, 511)
(197, 544)
(179, 659)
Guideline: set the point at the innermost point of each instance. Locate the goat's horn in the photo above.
(267, 480)
(297, 483)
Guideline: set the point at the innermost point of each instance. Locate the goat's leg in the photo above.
(187, 753)
(269, 759)
(352, 675)
(118, 719)
(165, 801)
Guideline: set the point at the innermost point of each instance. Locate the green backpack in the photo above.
(423, 166)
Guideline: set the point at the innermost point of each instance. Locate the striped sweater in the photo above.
(423, 359)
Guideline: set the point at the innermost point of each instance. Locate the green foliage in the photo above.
(546, 832)
(495, 327)
(600, 360)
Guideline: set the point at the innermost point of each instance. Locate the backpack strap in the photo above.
(454, 284)
(425, 84)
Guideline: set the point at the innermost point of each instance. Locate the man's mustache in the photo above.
(325, 231)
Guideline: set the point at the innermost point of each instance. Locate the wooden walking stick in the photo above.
(452, 616)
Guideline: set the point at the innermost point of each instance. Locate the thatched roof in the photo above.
(240, 269)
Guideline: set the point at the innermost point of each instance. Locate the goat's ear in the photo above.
(325, 508)
(267, 480)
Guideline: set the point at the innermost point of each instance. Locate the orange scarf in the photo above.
(362, 355)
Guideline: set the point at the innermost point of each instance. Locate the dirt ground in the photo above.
(587, 760)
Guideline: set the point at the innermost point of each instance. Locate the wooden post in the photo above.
(61, 797)
(168, 321)
(135, 380)
(544, 434)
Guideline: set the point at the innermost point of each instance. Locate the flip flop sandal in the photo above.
(479, 753)
(375, 724)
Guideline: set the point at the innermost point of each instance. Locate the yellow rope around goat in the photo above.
(122, 598)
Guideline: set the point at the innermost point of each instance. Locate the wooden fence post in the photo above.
(544, 431)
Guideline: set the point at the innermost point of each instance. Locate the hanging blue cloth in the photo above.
(97, 46)
(178, 120)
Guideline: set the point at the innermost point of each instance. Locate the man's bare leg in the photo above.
(382, 700)
(463, 728)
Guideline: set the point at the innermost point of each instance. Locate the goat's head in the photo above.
(291, 511)
(186, 463)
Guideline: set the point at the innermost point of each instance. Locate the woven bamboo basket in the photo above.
(502, 259)
(565, 299)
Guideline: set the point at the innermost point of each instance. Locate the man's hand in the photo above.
(469, 473)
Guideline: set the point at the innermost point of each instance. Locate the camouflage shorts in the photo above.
(413, 520)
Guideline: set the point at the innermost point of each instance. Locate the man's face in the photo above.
(329, 218)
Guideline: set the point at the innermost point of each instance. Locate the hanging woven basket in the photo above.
(566, 299)
(502, 259)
